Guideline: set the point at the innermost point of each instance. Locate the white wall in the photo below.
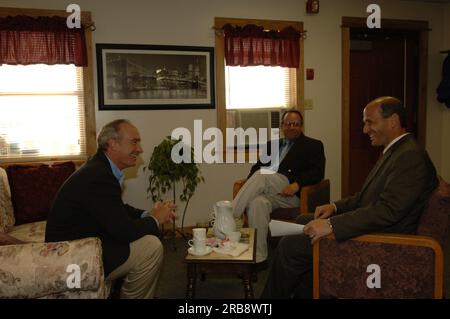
(445, 168)
(189, 22)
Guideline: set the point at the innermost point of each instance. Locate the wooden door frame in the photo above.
(353, 22)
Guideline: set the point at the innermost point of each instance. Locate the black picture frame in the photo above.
(154, 77)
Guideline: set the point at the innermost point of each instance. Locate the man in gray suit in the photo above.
(391, 200)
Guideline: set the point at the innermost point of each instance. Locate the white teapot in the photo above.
(223, 220)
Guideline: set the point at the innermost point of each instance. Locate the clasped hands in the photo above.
(164, 211)
(319, 227)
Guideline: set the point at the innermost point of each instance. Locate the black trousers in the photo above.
(291, 270)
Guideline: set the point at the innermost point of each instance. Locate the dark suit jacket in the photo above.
(304, 163)
(89, 204)
(393, 195)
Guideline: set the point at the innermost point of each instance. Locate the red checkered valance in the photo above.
(48, 40)
(252, 45)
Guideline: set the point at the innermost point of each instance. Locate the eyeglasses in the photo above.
(292, 124)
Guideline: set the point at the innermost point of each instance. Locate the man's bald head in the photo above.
(384, 120)
(388, 106)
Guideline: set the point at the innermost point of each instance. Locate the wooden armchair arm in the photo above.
(237, 186)
(410, 267)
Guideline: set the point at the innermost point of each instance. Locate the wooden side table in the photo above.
(215, 263)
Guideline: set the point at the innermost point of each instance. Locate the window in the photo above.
(47, 111)
(42, 109)
(252, 96)
(259, 87)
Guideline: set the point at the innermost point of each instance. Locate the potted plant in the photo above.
(165, 174)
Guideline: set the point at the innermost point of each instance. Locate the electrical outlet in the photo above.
(308, 104)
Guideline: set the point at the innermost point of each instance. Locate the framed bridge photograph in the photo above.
(155, 77)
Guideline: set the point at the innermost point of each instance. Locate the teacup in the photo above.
(199, 233)
(234, 236)
(198, 245)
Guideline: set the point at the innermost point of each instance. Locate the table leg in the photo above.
(192, 277)
(246, 279)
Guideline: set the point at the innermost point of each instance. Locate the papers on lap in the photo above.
(279, 228)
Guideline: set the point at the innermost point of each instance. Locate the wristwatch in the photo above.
(329, 224)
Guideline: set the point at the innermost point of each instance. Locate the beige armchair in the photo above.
(30, 268)
(44, 270)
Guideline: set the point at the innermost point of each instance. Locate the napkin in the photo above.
(238, 250)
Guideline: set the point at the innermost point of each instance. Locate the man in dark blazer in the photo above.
(300, 161)
(89, 204)
(391, 200)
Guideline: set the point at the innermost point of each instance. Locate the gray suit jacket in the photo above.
(393, 195)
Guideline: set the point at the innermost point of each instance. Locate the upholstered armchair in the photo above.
(407, 266)
(45, 270)
(30, 268)
(310, 197)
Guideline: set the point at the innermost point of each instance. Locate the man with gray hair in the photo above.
(89, 204)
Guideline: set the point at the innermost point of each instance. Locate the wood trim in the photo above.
(88, 78)
(356, 22)
(6, 11)
(300, 76)
(220, 81)
(316, 278)
(89, 103)
(423, 87)
(395, 239)
(345, 156)
(219, 22)
(77, 163)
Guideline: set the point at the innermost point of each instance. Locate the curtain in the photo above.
(48, 40)
(252, 45)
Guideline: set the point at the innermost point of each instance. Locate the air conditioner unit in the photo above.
(257, 119)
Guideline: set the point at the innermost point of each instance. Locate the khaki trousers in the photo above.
(259, 196)
(141, 270)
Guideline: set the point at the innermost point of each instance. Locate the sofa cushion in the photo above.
(6, 239)
(33, 189)
(31, 232)
(7, 219)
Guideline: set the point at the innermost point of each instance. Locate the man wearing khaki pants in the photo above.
(89, 204)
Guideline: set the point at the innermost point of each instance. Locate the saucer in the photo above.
(205, 252)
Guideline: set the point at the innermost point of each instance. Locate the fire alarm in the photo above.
(312, 6)
(310, 74)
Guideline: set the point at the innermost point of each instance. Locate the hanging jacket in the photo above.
(443, 89)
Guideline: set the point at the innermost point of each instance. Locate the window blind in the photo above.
(41, 112)
(260, 87)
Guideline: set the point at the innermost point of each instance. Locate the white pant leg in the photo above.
(258, 184)
(258, 217)
(279, 201)
(259, 211)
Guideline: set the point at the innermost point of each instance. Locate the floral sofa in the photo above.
(30, 268)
